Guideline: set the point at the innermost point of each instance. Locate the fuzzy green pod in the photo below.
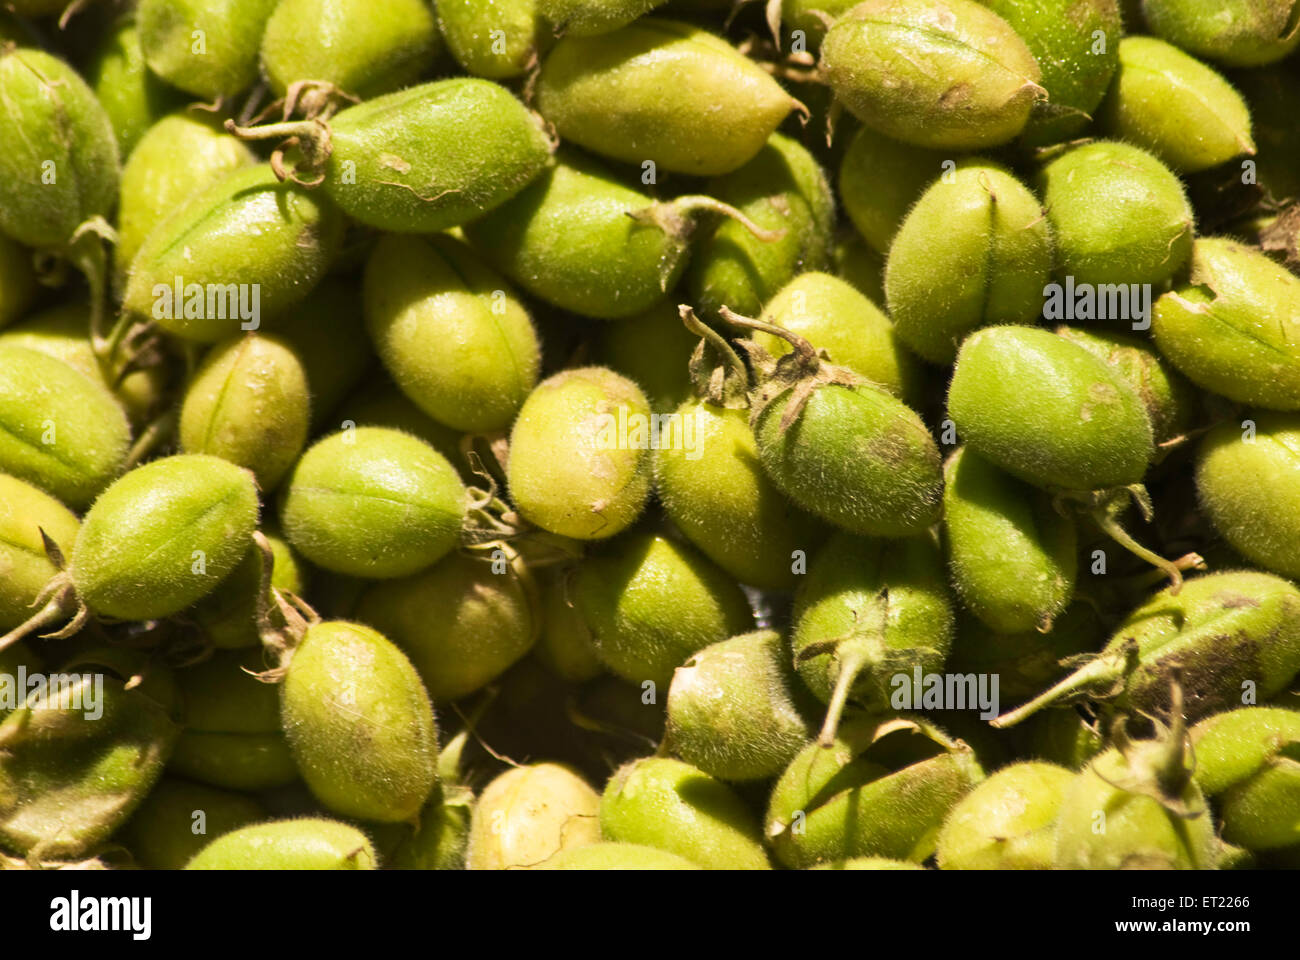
(163, 536)
(1013, 557)
(1232, 327)
(204, 47)
(803, 15)
(232, 736)
(868, 613)
(672, 806)
(305, 844)
(1028, 661)
(363, 48)
(174, 159)
(617, 856)
(228, 615)
(328, 332)
(567, 239)
(975, 250)
(731, 708)
(132, 96)
(606, 94)
(372, 502)
(1170, 400)
(25, 568)
(452, 334)
(880, 179)
(855, 456)
(945, 74)
(579, 454)
(653, 349)
(380, 404)
(58, 429)
(1007, 822)
(1246, 476)
(245, 247)
(783, 188)
(868, 863)
(1083, 428)
(651, 603)
(248, 403)
(178, 819)
(530, 814)
(83, 752)
(564, 643)
(1118, 214)
(1246, 762)
(1175, 106)
(586, 18)
(883, 789)
(17, 281)
(497, 39)
(861, 266)
(463, 622)
(833, 316)
(1075, 43)
(1239, 33)
(359, 723)
(713, 488)
(60, 167)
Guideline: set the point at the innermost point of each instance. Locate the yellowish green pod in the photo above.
(228, 615)
(178, 819)
(205, 48)
(530, 814)
(585, 18)
(1238, 33)
(328, 332)
(132, 96)
(1007, 822)
(380, 404)
(618, 856)
(497, 39)
(861, 266)
(25, 568)
(17, 281)
(564, 644)
(653, 349)
(879, 180)
(305, 844)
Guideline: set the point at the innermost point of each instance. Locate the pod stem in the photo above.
(693, 203)
(1112, 528)
(1102, 677)
(803, 350)
(1173, 773)
(58, 601)
(151, 437)
(851, 664)
(725, 385)
(312, 137)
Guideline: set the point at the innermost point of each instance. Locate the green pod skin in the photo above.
(1026, 662)
(15, 657)
(782, 189)
(380, 404)
(1062, 36)
(606, 94)
(888, 605)
(570, 472)
(1118, 214)
(618, 856)
(174, 159)
(60, 167)
(1175, 106)
(63, 332)
(1062, 737)
(1139, 833)
(1246, 485)
(1007, 822)
(163, 536)
(653, 349)
(587, 18)
(454, 337)
(717, 494)
(975, 250)
(276, 238)
(496, 39)
(178, 819)
(232, 736)
(861, 266)
(530, 814)
(329, 336)
(461, 623)
(133, 98)
(672, 806)
(1084, 428)
(1246, 762)
(359, 723)
(567, 239)
(1238, 33)
(443, 834)
(1171, 401)
(1013, 557)
(868, 863)
(651, 604)
(24, 567)
(731, 709)
(58, 429)
(1270, 94)
(856, 457)
(372, 502)
(799, 15)
(944, 74)
(880, 179)
(833, 316)
(221, 61)
(18, 287)
(78, 763)
(883, 789)
(306, 844)
(433, 156)
(249, 403)
(363, 48)
(228, 615)
(564, 644)
(1230, 328)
